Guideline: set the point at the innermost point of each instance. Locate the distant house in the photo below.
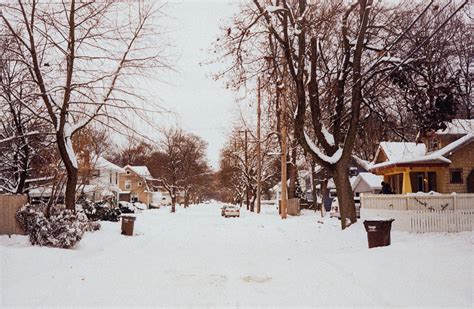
(97, 178)
(366, 183)
(103, 179)
(356, 166)
(442, 161)
(134, 185)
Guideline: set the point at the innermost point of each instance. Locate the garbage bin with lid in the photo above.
(378, 232)
(128, 222)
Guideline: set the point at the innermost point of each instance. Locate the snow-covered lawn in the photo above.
(196, 257)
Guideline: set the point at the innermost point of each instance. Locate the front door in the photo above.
(432, 182)
(470, 182)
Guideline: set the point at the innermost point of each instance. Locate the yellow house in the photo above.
(134, 186)
(443, 161)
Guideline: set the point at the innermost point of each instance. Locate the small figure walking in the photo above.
(386, 189)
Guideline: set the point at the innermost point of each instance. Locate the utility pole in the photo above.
(247, 193)
(259, 154)
(284, 193)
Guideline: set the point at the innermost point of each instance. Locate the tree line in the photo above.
(68, 81)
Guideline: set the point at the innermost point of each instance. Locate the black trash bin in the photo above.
(378, 232)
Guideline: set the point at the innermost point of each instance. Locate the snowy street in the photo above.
(195, 257)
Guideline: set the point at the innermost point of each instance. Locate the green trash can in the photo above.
(378, 232)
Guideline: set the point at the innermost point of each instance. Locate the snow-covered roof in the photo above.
(40, 191)
(396, 151)
(437, 156)
(446, 150)
(372, 180)
(303, 173)
(139, 170)
(103, 164)
(332, 185)
(458, 126)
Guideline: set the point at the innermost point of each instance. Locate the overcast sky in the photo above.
(201, 105)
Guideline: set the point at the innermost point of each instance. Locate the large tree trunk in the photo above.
(173, 199)
(186, 199)
(345, 195)
(71, 172)
(313, 189)
(254, 198)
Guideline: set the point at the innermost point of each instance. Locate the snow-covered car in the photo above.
(231, 211)
(335, 208)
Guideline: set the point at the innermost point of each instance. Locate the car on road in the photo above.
(334, 213)
(231, 211)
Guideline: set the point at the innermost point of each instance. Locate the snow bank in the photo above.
(197, 258)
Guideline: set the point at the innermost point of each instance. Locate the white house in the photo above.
(104, 180)
(367, 183)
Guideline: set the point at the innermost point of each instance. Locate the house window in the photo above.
(433, 144)
(353, 171)
(127, 172)
(455, 175)
(139, 183)
(128, 185)
(116, 178)
(95, 173)
(110, 177)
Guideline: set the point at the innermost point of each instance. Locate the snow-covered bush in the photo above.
(126, 207)
(104, 210)
(63, 229)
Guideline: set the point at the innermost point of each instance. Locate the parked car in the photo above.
(335, 208)
(231, 211)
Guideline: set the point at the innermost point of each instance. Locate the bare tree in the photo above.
(78, 55)
(335, 56)
(21, 133)
(238, 175)
(180, 165)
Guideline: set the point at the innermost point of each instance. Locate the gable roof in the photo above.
(438, 156)
(458, 126)
(372, 180)
(140, 170)
(401, 150)
(102, 163)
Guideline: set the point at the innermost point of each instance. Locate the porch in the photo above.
(408, 178)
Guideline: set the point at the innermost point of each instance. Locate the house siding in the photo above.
(461, 159)
(140, 191)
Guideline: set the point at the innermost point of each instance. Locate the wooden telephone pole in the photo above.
(259, 154)
(284, 193)
(247, 192)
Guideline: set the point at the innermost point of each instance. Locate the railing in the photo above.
(422, 213)
(9, 204)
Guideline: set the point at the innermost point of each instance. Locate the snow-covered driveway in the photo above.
(196, 257)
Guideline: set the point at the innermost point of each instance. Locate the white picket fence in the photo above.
(422, 213)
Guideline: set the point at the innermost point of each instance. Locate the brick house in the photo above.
(134, 185)
(441, 161)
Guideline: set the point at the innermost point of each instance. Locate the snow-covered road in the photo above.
(195, 257)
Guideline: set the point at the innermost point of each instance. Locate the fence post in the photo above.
(455, 201)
